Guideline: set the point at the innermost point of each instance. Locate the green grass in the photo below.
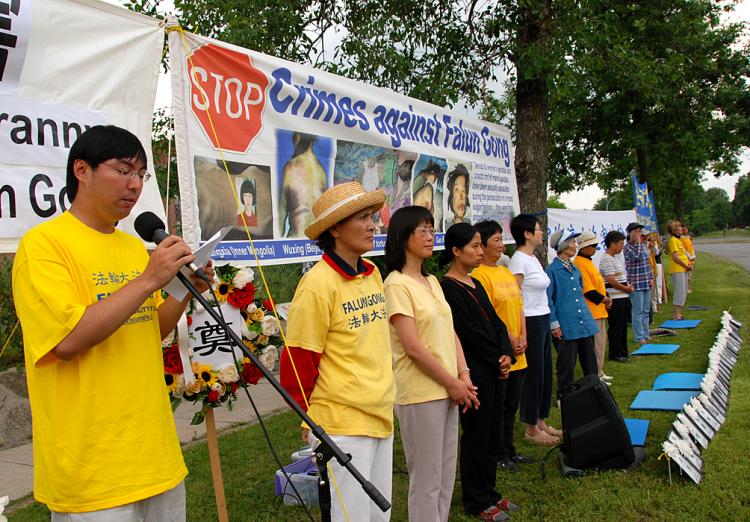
(737, 232)
(643, 495)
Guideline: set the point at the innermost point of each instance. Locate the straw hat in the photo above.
(338, 203)
(587, 239)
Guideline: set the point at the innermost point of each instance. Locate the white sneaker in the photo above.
(606, 377)
(605, 382)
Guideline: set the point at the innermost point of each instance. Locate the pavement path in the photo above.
(737, 250)
(17, 467)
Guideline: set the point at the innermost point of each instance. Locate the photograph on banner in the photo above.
(643, 202)
(310, 130)
(427, 186)
(457, 196)
(39, 122)
(303, 165)
(217, 198)
(600, 222)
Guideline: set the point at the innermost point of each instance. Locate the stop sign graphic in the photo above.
(226, 86)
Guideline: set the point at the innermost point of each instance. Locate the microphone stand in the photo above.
(327, 449)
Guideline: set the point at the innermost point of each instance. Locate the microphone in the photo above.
(151, 228)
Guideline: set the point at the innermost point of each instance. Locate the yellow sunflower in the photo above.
(172, 381)
(249, 344)
(223, 290)
(206, 375)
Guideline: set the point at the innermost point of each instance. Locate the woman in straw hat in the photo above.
(338, 360)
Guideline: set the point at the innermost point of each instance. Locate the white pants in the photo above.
(165, 507)
(373, 458)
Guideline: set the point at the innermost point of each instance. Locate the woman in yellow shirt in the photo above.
(505, 295)
(679, 266)
(431, 373)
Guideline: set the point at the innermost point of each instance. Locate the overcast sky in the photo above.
(582, 199)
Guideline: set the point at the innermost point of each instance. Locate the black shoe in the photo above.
(620, 359)
(522, 459)
(507, 465)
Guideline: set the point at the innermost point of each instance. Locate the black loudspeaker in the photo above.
(594, 432)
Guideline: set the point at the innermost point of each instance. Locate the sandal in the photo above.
(494, 514)
(542, 439)
(552, 431)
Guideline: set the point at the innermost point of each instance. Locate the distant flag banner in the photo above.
(66, 65)
(284, 133)
(645, 208)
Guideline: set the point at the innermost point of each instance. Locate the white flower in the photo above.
(244, 330)
(243, 277)
(269, 325)
(217, 386)
(228, 374)
(252, 334)
(269, 356)
(251, 308)
(179, 386)
(3, 502)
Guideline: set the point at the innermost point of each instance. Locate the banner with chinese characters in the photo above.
(259, 139)
(599, 222)
(66, 65)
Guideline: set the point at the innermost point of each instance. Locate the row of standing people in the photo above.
(467, 349)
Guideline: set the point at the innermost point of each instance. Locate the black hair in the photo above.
(520, 224)
(487, 229)
(402, 225)
(99, 144)
(613, 236)
(456, 173)
(326, 241)
(458, 235)
(247, 187)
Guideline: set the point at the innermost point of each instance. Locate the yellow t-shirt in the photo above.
(103, 429)
(505, 295)
(676, 245)
(687, 242)
(432, 313)
(345, 321)
(592, 280)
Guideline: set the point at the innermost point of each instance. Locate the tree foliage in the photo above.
(660, 87)
(741, 203)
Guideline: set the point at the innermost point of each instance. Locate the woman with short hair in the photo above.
(679, 267)
(537, 388)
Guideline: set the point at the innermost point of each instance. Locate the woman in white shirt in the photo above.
(537, 390)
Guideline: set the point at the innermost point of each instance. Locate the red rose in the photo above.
(268, 304)
(213, 396)
(250, 373)
(190, 320)
(242, 297)
(234, 387)
(172, 360)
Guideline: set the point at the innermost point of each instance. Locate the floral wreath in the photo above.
(260, 330)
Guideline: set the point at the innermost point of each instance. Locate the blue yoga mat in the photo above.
(637, 428)
(678, 381)
(661, 400)
(682, 323)
(656, 349)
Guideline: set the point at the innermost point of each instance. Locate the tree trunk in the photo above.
(679, 202)
(532, 111)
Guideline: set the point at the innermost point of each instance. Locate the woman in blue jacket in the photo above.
(571, 324)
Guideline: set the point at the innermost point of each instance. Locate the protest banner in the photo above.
(258, 139)
(599, 222)
(643, 202)
(54, 84)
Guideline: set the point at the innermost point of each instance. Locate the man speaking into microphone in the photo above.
(87, 296)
